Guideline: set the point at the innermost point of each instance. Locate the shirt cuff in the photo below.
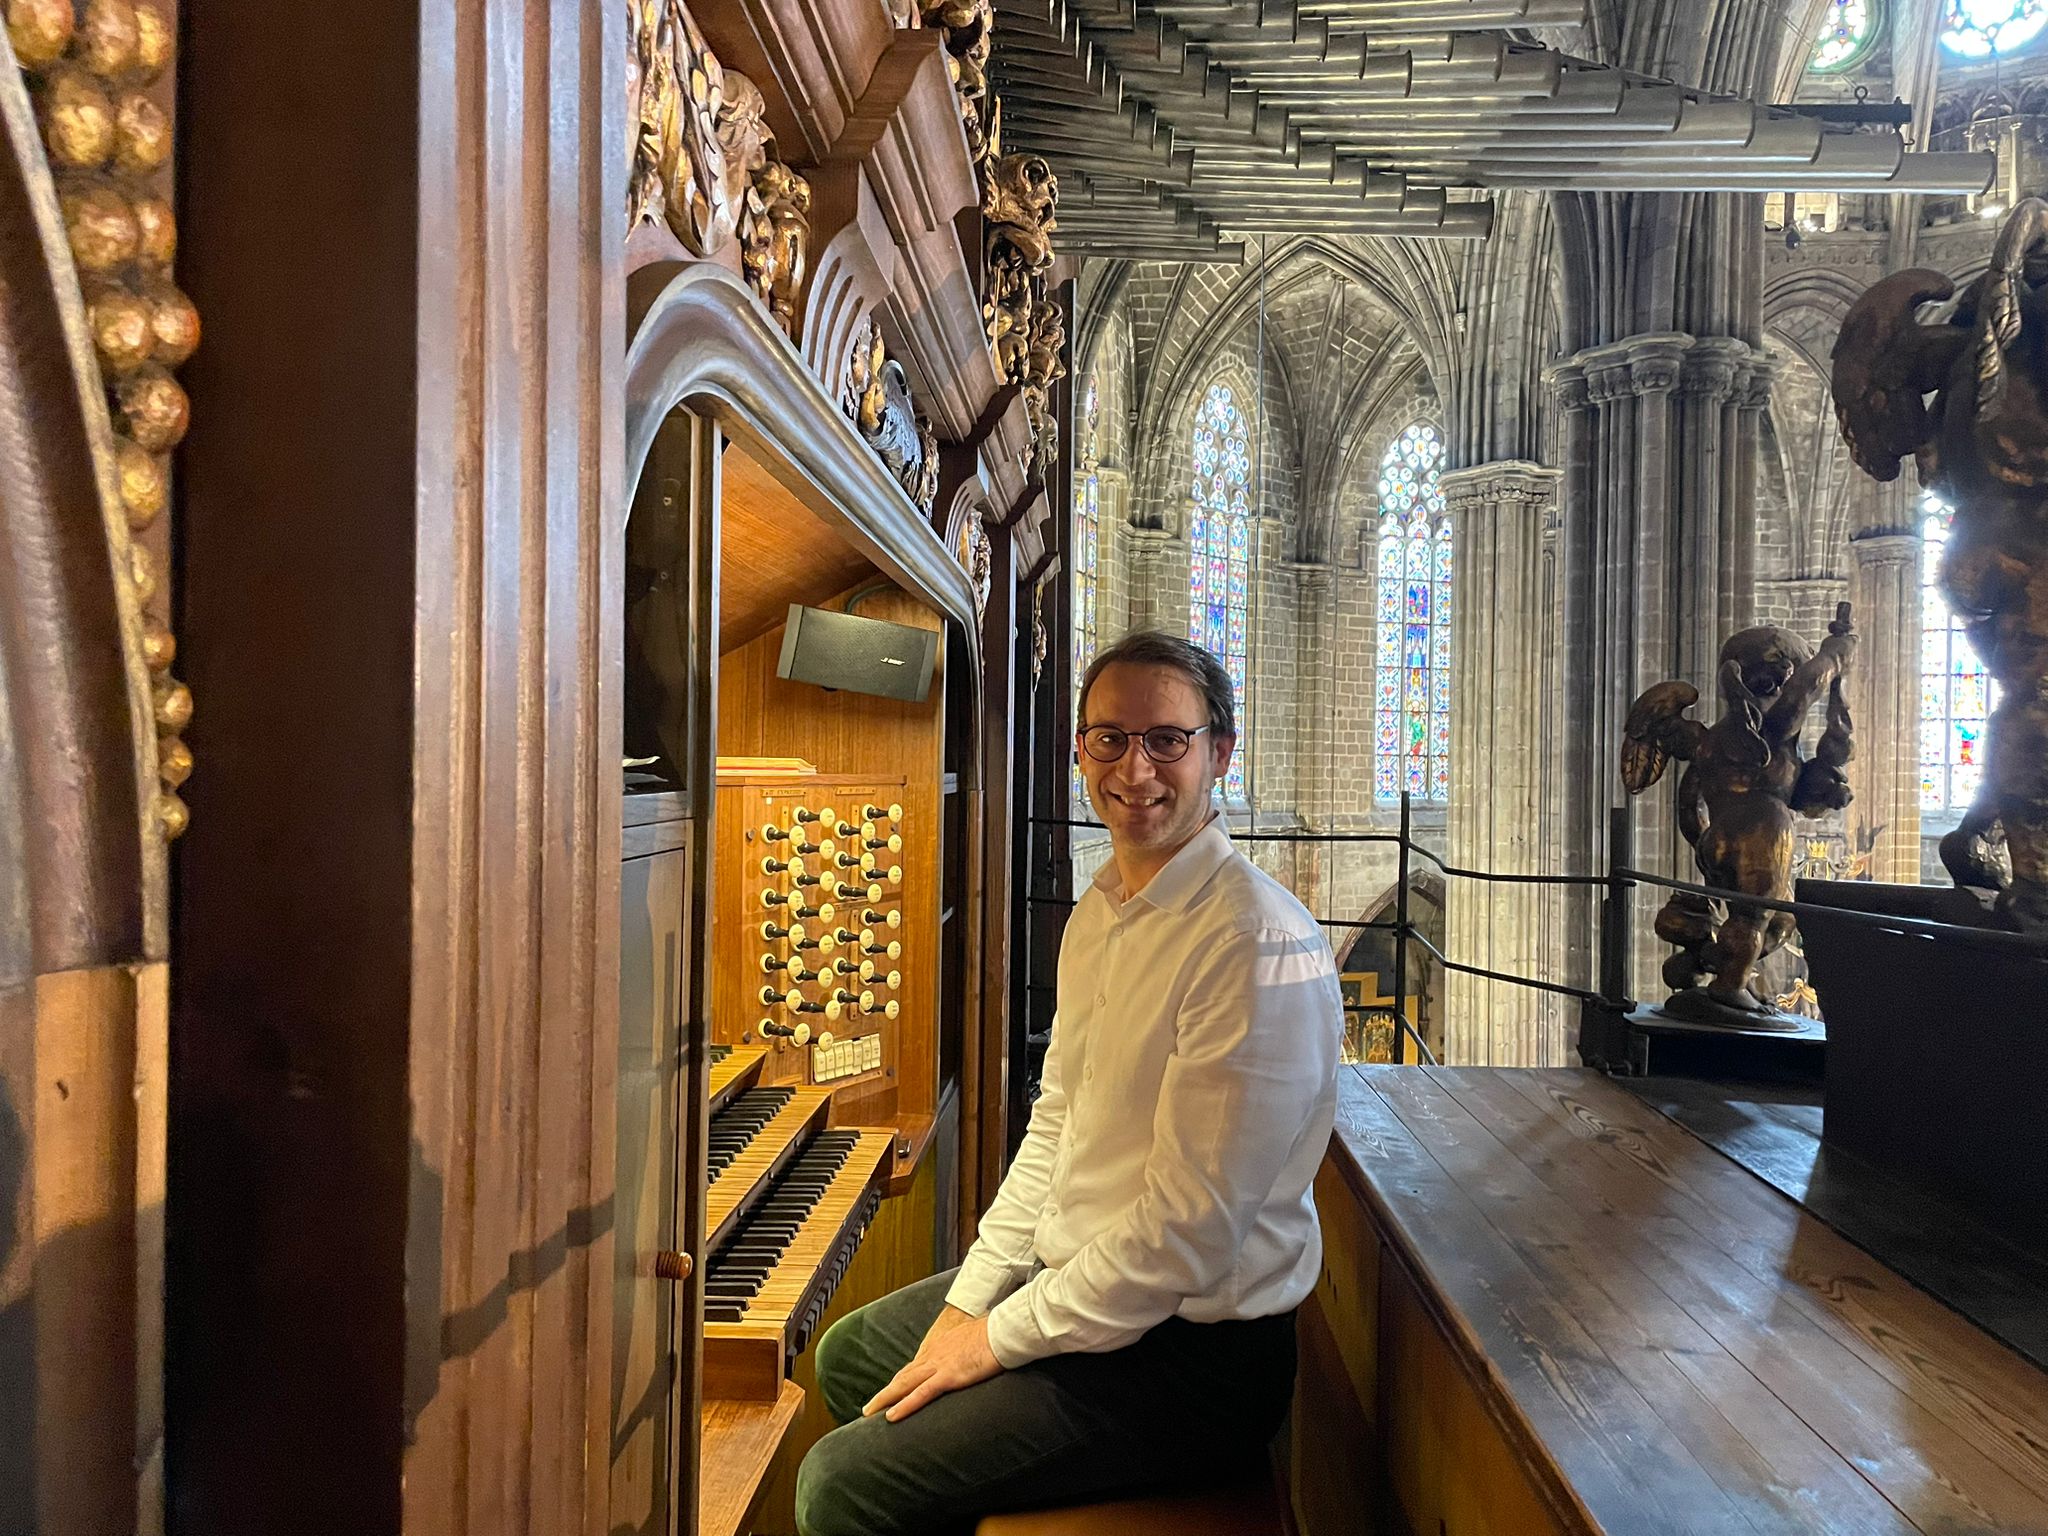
(1014, 1337)
(981, 1283)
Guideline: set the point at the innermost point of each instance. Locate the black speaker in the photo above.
(844, 650)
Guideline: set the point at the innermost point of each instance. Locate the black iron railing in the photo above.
(1609, 999)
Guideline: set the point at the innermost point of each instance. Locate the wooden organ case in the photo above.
(812, 1000)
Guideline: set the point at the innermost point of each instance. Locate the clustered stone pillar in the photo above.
(1884, 699)
(1660, 440)
(1501, 642)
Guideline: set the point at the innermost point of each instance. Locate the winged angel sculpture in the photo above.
(1744, 782)
(1982, 446)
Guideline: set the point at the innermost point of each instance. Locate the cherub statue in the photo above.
(1982, 446)
(1744, 781)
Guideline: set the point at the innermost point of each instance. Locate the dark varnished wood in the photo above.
(392, 1178)
(1668, 1343)
(1775, 1134)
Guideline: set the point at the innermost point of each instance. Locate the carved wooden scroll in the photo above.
(108, 142)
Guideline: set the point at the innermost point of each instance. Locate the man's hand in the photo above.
(954, 1354)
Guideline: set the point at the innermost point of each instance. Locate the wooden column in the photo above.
(395, 1029)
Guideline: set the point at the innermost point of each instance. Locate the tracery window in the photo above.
(1087, 553)
(1412, 703)
(1957, 695)
(1977, 29)
(1219, 552)
(1846, 33)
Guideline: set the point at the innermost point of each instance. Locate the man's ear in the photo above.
(1224, 747)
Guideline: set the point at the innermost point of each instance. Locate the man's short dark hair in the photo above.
(1151, 648)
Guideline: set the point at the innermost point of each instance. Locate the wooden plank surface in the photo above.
(1774, 1132)
(1680, 1347)
(738, 1440)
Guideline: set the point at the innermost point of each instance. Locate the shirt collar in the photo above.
(1184, 875)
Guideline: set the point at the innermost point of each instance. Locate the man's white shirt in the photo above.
(1186, 1102)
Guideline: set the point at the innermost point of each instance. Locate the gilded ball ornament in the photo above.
(173, 706)
(159, 647)
(154, 409)
(172, 815)
(143, 486)
(173, 761)
(101, 228)
(108, 37)
(154, 41)
(142, 134)
(174, 323)
(142, 573)
(123, 329)
(156, 231)
(77, 118)
(40, 30)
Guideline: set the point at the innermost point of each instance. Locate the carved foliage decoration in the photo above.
(876, 395)
(678, 161)
(704, 158)
(967, 25)
(1026, 331)
(108, 143)
(772, 202)
(976, 556)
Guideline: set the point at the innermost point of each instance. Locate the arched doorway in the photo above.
(1366, 974)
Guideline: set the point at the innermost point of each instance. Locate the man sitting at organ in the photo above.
(1125, 1318)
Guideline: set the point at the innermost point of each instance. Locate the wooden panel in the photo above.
(774, 551)
(739, 1442)
(398, 993)
(1664, 1341)
(653, 965)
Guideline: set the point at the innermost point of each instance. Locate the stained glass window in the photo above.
(1219, 551)
(1845, 34)
(1087, 555)
(1977, 29)
(1956, 693)
(1412, 693)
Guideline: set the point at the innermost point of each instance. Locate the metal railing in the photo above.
(1610, 999)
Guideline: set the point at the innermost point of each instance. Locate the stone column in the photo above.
(1884, 699)
(1313, 663)
(1113, 585)
(1654, 579)
(1499, 624)
(1154, 558)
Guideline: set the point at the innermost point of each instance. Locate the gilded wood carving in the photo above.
(704, 158)
(1982, 446)
(1745, 780)
(876, 396)
(968, 26)
(1026, 331)
(91, 70)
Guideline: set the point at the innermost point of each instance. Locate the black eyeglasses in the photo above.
(1163, 743)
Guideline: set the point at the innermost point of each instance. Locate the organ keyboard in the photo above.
(770, 1281)
(752, 1139)
(734, 1068)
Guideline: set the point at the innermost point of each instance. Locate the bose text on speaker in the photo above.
(844, 650)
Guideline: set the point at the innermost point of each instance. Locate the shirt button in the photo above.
(1089, 1074)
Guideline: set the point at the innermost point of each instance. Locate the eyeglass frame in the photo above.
(1189, 731)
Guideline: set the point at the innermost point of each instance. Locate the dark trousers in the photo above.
(1186, 1405)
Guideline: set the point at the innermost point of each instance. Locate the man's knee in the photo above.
(834, 1492)
(840, 1361)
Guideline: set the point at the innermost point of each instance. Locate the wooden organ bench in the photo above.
(1251, 1509)
(1546, 1308)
